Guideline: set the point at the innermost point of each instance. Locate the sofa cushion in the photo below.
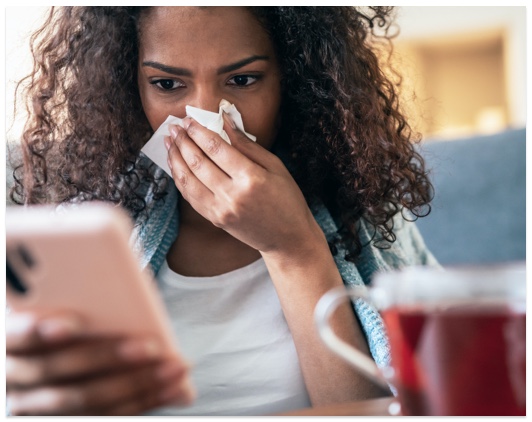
(479, 209)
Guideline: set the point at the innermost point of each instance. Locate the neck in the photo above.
(203, 250)
(189, 217)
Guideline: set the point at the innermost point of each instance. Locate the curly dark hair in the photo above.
(342, 124)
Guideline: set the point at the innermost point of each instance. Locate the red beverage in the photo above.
(459, 361)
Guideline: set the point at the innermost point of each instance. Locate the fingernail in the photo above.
(133, 350)
(19, 323)
(173, 131)
(169, 370)
(60, 328)
(229, 120)
(167, 142)
(186, 122)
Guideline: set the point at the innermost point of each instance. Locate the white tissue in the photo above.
(155, 148)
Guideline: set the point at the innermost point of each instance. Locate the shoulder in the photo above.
(410, 245)
(408, 249)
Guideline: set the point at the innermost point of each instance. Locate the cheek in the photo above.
(263, 123)
(152, 112)
(157, 111)
(157, 114)
(154, 118)
(270, 130)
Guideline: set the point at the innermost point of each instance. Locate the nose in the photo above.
(206, 98)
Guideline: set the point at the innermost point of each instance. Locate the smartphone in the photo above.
(79, 259)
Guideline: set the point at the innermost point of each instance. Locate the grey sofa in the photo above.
(479, 209)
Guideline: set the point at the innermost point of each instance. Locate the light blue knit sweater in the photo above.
(154, 236)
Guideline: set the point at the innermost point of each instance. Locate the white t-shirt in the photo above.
(232, 329)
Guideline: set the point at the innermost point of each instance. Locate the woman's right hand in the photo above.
(53, 368)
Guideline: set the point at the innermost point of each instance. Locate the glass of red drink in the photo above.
(457, 338)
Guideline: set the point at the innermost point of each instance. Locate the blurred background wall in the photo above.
(20, 22)
(464, 68)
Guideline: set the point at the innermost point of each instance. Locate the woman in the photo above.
(260, 231)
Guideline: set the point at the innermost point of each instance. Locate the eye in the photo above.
(244, 80)
(167, 84)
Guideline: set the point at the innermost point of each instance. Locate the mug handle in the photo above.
(323, 311)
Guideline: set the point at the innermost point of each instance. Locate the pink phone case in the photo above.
(79, 259)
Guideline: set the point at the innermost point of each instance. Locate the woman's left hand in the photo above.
(242, 188)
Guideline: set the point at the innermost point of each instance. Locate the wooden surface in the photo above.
(374, 407)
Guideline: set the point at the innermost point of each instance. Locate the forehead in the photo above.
(196, 31)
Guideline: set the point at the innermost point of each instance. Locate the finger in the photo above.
(26, 332)
(137, 405)
(205, 170)
(192, 189)
(92, 396)
(21, 332)
(252, 150)
(78, 360)
(177, 392)
(229, 159)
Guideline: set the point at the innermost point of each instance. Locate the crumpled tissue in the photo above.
(155, 148)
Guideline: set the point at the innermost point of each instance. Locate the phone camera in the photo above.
(22, 259)
(13, 280)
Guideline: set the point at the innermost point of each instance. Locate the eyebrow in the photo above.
(179, 71)
(241, 63)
